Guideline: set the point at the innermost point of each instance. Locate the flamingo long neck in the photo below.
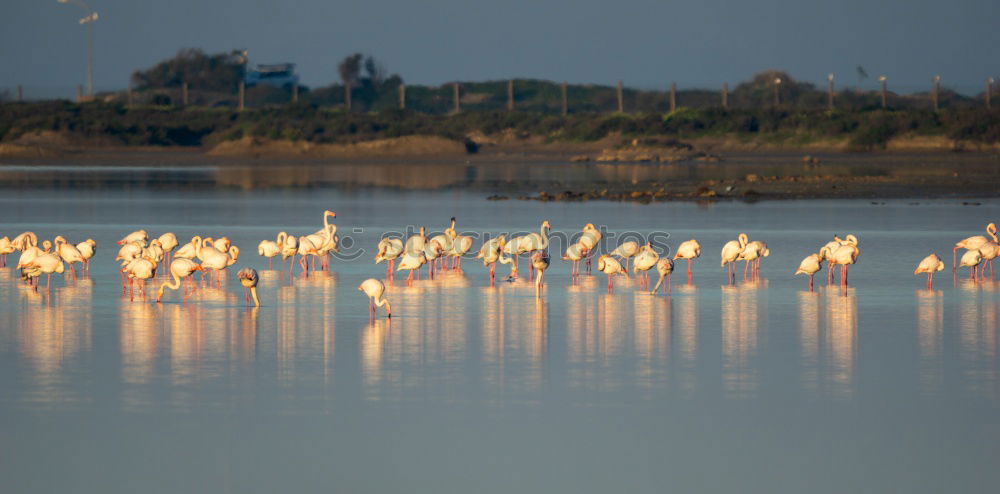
(173, 286)
(381, 300)
(281, 239)
(992, 230)
(544, 233)
(253, 293)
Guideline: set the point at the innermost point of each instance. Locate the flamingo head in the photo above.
(545, 224)
(197, 267)
(329, 213)
(46, 245)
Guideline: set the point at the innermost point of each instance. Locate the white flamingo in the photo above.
(248, 278)
(87, 249)
(389, 249)
(973, 243)
(689, 249)
(609, 266)
(626, 251)
(665, 266)
(375, 290)
(731, 252)
(929, 265)
(645, 260)
(810, 266)
(180, 269)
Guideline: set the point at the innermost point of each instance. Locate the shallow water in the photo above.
(758, 387)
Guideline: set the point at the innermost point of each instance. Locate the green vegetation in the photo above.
(195, 126)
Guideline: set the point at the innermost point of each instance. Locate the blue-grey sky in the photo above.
(646, 43)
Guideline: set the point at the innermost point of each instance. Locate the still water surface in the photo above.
(758, 387)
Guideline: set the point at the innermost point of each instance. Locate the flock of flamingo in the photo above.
(140, 257)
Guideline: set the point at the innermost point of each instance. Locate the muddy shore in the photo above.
(537, 172)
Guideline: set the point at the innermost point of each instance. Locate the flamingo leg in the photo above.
(930, 281)
(810, 283)
(609, 284)
(954, 259)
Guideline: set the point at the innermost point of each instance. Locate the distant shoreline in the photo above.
(543, 173)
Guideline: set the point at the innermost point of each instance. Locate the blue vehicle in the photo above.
(279, 75)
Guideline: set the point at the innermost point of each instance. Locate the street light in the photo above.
(989, 91)
(777, 91)
(934, 93)
(829, 91)
(88, 20)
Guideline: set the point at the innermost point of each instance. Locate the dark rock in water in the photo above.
(496, 197)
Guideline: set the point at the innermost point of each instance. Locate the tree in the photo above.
(220, 72)
(350, 69)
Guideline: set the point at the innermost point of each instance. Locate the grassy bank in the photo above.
(99, 124)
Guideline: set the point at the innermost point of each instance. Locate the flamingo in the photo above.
(411, 261)
(24, 240)
(389, 249)
(87, 249)
(217, 261)
(973, 243)
(589, 240)
(249, 278)
(432, 251)
(609, 266)
(574, 253)
(665, 266)
(929, 265)
(168, 241)
(271, 248)
(375, 290)
(971, 260)
(844, 256)
(6, 247)
(29, 254)
(460, 245)
(180, 268)
(730, 252)
(827, 252)
(810, 265)
(491, 252)
(140, 269)
(445, 240)
(540, 261)
(306, 248)
(644, 261)
(989, 251)
(626, 251)
(752, 254)
(323, 239)
(532, 242)
(289, 248)
(46, 263)
(69, 253)
(689, 249)
(189, 250)
(416, 243)
(136, 236)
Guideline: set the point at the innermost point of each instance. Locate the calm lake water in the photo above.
(758, 387)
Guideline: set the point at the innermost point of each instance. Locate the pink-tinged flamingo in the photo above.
(248, 278)
(609, 266)
(540, 261)
(626, 251)
(589, 241)
(375, 290)
(389, 249)
(730, 253)
(180, 268)
(24, 240)
(574, 253)
(929, 265)
(989, 251)
(271, 248)
(971, 260)
(87, 249)
(139, 236)
(491, 252)
(645, 260)
(810, 266)
(843, 256)
(665, 266)
(69, 253)
(752, 254)
(6, 247)
(690, 250)
(973, 243)
(411, 261)
(46, 263)
(139, 270)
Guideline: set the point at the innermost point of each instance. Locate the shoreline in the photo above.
(544, 173)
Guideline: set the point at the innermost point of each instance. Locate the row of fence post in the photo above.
(619, 95)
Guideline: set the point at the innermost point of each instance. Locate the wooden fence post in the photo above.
(565, 100)
(184, 93)
(510, 95)
(829, 92)
(129, 96)
(457, 97)
(347, 95)
(79, 94)
(934, 91)
(243, 95)
(673, 97)
(885, 100)
(725, 95)
(20, 93)
(989, 91)
(621, 98)
(402, 96)
(295, 93)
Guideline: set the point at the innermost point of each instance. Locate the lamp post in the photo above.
(777, 91)
(882, 79)
(87, 20)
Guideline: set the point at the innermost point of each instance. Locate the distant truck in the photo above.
(279, 74)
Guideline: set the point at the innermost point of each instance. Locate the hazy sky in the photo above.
(647, 43)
